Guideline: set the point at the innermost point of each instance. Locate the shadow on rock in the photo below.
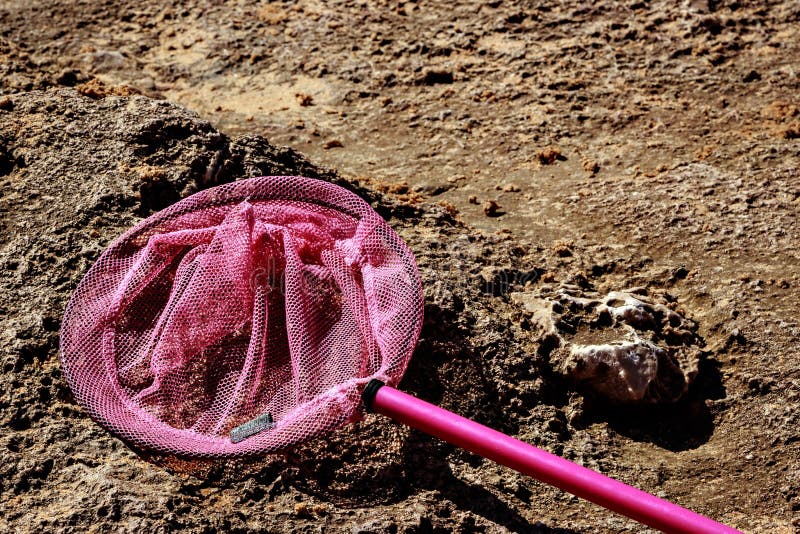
(473, 498)
(683, 425)
(378, 460)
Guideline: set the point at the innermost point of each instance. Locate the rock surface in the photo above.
(625, 347)
(629, 145)
(79, 170)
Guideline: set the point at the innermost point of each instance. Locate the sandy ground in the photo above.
(558, 145)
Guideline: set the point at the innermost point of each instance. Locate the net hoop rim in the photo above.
(233, 193)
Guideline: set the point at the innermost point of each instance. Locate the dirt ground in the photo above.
(529, 153)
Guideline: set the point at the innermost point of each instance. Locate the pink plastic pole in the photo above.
(542, 465)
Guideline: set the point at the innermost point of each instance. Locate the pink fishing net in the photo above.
(242, 320)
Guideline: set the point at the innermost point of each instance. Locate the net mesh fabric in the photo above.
(273, 295)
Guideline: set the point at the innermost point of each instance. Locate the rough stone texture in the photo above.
(81, 170)
(628, 144)
(625, 347)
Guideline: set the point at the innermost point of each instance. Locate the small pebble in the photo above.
(591, 166)
(304, 100)
(491, 208)
(549, 155)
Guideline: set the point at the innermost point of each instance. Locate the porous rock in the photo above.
(625, 346)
